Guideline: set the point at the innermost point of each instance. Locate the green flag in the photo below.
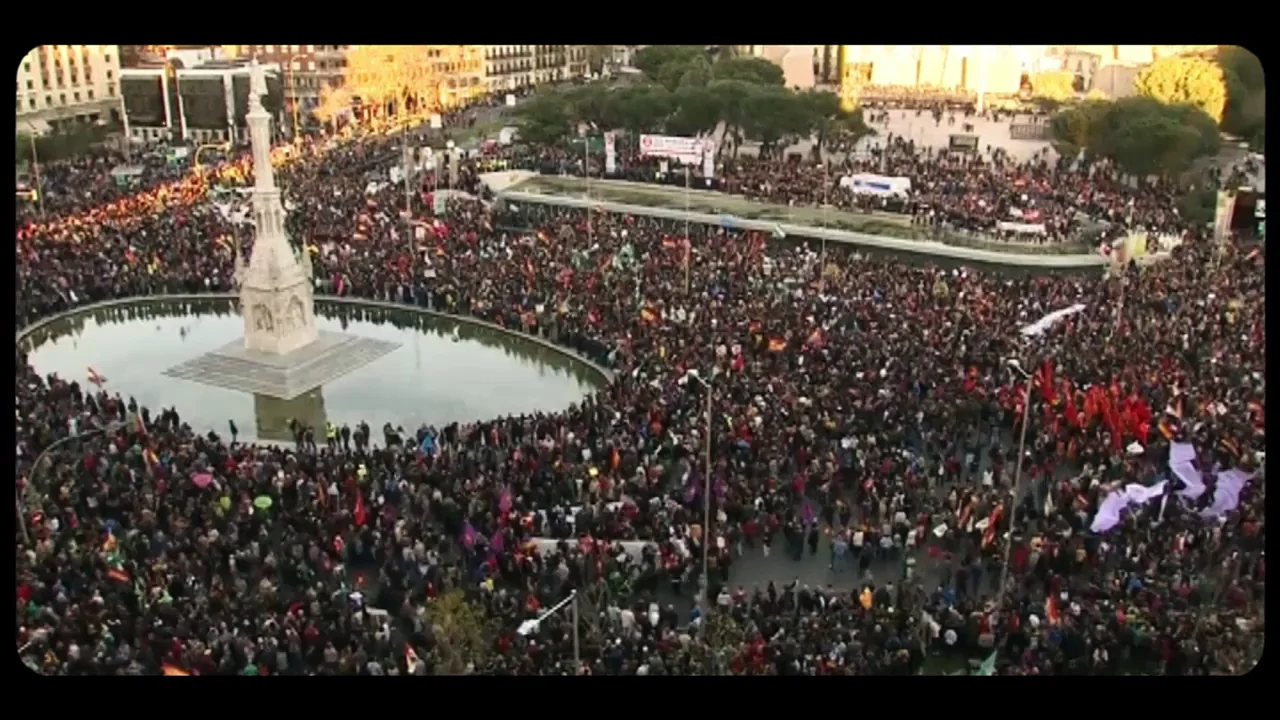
(988, 666)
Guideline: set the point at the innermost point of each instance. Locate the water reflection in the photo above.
(273, 415)
(430, 378)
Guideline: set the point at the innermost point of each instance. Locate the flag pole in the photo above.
(688, 245)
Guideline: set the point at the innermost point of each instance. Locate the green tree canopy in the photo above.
(651, 59)
(1246, 83)
(462, 637)
(755, 70)
(545, 119)
(1140, 134)
(1185, 80)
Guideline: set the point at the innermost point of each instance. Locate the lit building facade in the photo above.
(511, 67)
(59, 84)
(995, 69)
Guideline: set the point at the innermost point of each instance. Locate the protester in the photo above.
(853, 396)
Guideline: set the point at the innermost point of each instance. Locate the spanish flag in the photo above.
(543, 236)
(173, 671)
(1231, 447)
(149, 456)
(109, 544)
(118, 575)
(1167, 429)
(989, 533)
(648, 315)
(95, 378)
(777, 344)
(1051, 610)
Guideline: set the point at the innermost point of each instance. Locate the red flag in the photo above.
(989, 533)
(1051, 610)
(359, 513)
(1073, 415)
(1045, 376)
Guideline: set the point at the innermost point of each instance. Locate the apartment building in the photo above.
(60, 84)
(511, 67)
(308, 69)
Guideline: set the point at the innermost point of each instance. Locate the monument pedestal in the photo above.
(235, 367)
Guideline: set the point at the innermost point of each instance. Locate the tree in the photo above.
(772, 113)
(754, 70)
(545, 119)
(642, 108)
(697, 112)
(334, 103)
(1185, 80)
(1058, 86)
(651, 59)
(730, 97)
(695, 69)
(462, 637)
(1245, 111)
(828, 120)
(722, 640)
(1144, 136)
(1073, 128)
(587, 103)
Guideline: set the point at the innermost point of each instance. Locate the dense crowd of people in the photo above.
(860, 407)
(984, 193)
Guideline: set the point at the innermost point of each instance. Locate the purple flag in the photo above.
(495, 543)
(720, 487)
(504, 500)
(806, 514)
(468, 535)
(1226, 496)
(1109, 512)
(690, 488)
(1182, 458)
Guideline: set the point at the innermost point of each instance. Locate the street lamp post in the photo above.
(531, 626)
(705, 580)
(35, 165)
(1016, 366)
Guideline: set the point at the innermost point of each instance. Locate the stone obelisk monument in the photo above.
(282, 354)
(276, 288)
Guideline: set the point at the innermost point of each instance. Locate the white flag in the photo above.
(1038, 327)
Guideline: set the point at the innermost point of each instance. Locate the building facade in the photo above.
(512, 67)
(994, 69)
(61, 84)
(205, 104)
(308, 70)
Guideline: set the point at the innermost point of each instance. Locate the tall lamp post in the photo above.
(35, 167)
(705, 579)
(1016, 366)
(531, 626)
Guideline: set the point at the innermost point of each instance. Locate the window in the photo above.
(31, 102)
(106, 58)
(26, 67)
(90, 93)
(48, 100)
(19, 106)
(62, 98)
(76, 96)
(110, 74)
